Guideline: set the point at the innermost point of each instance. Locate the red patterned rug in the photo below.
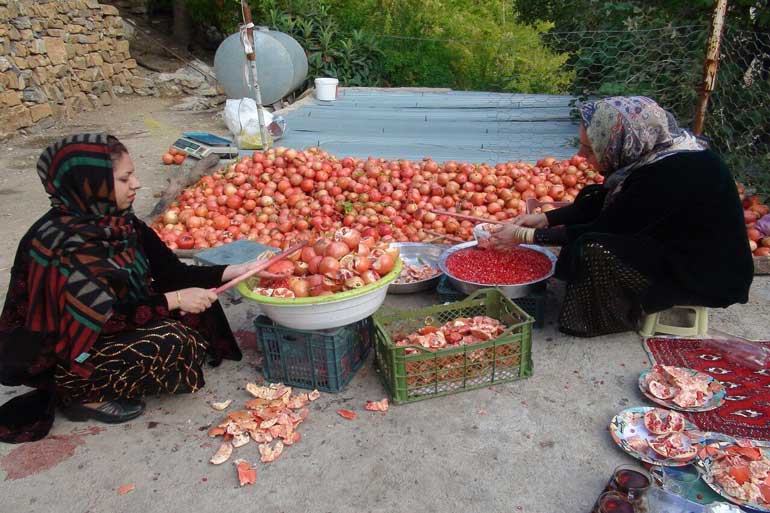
(746, 412)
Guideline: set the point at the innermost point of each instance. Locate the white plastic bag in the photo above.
(242, 119)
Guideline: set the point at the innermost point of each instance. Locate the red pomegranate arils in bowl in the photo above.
(491, 267)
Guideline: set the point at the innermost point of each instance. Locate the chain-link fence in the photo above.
(738, 119)
(667, 65)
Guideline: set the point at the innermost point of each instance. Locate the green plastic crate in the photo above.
(313, 359)
(425, 374)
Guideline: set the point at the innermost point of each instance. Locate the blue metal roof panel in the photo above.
(445, 125)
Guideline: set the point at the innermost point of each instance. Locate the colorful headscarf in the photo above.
(627, 132)
(83, 257)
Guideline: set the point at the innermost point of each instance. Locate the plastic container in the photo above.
(534, 304)
(481, 231)
(316, 313)
(326, 89)
(325, 359)
(425, 374)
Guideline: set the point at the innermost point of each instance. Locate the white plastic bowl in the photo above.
(318, 313)
(326, 315)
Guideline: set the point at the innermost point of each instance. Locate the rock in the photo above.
(39, 112)
(10, 98)
(37, 46)
(33, 94)
(193, 103)
(207, 90)
(22, 22)
(106, 99)
(94, 59)
(91, 74)
(191, 81)
(19, 117)
(123, 47)
(107, 70)
(19, 49)
(53, 93)
(4, 64)
(169, 89)
(142, 83)
(161, 78)
(110, 10)
(13, 79)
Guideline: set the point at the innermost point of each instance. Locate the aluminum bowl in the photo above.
(510, 291)
(417, 253)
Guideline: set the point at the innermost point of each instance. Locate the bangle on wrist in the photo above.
(178, 300)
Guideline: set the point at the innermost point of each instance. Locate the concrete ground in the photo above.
(539, 445)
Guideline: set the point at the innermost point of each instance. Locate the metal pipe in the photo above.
(710, 65)
(252, 58)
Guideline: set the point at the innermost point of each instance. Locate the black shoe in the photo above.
(111, 412)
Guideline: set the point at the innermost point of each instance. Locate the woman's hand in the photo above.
(531, 221)
(193, 300)
(510, 235)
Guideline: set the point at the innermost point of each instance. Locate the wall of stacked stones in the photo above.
(58, 58)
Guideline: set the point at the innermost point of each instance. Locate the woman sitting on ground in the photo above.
(93, 317)
(666, 228)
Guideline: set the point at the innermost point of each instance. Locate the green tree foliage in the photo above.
(462, 44)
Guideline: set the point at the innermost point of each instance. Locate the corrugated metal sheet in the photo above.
(443, 124)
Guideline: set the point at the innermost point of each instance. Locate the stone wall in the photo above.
(58, 58)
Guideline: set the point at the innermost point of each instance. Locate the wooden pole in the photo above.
(251, 57)
(710, 65)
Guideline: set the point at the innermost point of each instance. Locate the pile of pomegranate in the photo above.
(285, 195)
(757, 218)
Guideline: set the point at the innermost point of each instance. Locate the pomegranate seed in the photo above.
(490, 267)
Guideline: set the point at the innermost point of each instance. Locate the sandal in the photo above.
(111, 412)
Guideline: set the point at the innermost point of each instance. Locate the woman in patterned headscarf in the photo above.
(92, 317)
(666, 227)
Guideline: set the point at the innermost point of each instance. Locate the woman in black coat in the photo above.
(666, 228)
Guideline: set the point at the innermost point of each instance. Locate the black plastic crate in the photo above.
(534, 304)
(313, 359)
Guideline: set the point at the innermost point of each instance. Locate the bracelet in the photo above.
(178, 300)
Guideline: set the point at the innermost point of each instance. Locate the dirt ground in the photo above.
(539, 445)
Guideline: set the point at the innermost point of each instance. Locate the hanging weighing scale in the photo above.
(202, 144)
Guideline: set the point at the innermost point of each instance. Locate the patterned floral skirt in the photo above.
(164, 356)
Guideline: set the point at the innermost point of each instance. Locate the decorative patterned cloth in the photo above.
(746, 412)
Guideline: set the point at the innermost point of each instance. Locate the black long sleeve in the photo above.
(586, 207)
(551, 236)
